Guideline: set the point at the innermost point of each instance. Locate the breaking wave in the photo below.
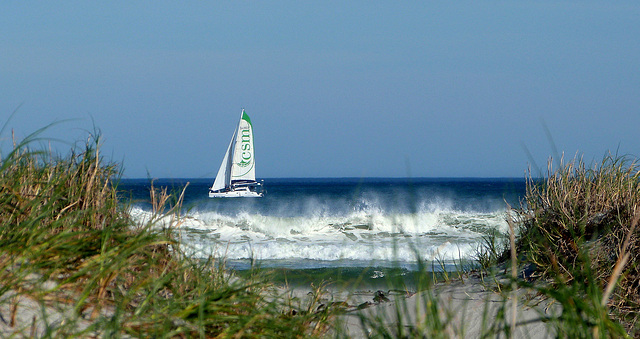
(366, 234)
(342, 222)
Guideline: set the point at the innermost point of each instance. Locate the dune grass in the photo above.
(69, 246)
(580, 230)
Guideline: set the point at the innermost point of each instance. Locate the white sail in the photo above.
(223, 178)
(243, 167)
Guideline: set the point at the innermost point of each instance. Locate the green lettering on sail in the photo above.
(245, 136)
(245, 146)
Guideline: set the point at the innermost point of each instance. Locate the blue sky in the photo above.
(333, 88)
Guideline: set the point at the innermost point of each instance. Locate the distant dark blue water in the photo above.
(345, 222)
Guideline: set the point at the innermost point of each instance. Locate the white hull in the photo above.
(235, 194)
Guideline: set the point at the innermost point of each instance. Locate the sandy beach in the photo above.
(467, 309)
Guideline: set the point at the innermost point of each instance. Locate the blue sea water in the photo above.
(314, 223)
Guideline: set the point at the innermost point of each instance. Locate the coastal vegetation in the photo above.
(579, 230)
(73, 262)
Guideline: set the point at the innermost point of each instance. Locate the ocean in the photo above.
(340, 223)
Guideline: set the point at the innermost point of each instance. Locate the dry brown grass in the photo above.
(579, 225)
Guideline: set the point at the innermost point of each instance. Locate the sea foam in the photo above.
(365, 234)
(343, 221)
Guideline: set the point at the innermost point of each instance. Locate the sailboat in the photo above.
(237, 174)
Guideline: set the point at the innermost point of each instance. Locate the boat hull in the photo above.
(235, 194)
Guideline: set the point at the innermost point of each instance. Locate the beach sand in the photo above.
(468, 309)
(22, 316)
